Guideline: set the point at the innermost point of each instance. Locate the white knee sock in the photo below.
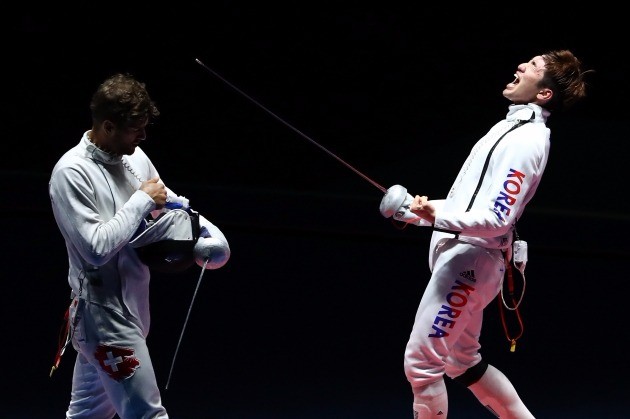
(497, 393)
(430, 401)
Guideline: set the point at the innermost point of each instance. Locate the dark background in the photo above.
(310, 316)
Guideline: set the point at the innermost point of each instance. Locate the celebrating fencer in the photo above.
(473, 233)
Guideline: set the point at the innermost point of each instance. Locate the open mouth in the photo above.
(515, 82)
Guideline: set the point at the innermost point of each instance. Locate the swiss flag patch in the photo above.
(119, 363)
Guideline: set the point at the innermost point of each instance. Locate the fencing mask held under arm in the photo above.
(167, 243)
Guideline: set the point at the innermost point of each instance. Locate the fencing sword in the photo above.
(381, 188)
(203, 269)
(395, 197)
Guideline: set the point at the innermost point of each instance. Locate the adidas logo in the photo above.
(469, 275)
(415, 414)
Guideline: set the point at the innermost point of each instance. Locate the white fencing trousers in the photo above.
(445, 335)
(113, 372)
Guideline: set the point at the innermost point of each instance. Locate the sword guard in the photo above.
(392, 201)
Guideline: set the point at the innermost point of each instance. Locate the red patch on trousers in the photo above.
(119, 363)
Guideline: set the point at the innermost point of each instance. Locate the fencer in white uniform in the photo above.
(466, 258)
(100, 208)
(473, 232)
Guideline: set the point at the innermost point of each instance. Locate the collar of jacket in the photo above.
(525, 112)
(97, 154)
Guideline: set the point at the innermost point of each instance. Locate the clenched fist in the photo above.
(156, 190)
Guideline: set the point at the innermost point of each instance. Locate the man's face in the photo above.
(526, 86)
(124, 140)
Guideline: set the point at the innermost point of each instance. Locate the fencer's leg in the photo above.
(493, 389)
(88, 398)
(132, 386)
(121, 373)
(430, 401)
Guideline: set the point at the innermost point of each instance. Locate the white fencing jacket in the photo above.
(99, 208)
(509, 182)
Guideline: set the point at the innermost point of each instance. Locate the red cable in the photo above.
(510, 285)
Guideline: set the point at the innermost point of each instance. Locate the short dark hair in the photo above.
(122, 100)
(563, 75)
